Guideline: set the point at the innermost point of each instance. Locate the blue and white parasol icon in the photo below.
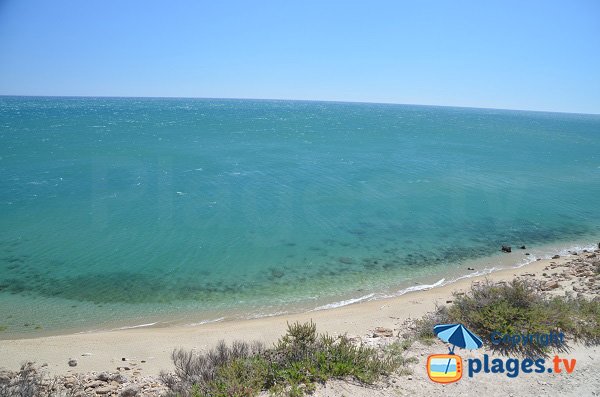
(457, 335)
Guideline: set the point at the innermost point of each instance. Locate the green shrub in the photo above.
(514, 308)
(300, 359)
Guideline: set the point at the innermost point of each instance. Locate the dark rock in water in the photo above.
(522, 247)
(506, 248)
(556, 257)
(72, 363)
(346, 260)
(470, 268)
(527, 253)
(598, 245)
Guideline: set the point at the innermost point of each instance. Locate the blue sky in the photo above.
(538, 55)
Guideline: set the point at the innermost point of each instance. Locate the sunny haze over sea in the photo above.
(125, 211)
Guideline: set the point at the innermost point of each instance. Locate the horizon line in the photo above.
(296, 100)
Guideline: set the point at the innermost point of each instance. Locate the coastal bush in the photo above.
(26, 383)
(517, 308)
(31, 381)
(423, 327)
(293, 366)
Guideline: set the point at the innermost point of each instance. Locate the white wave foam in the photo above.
(344, 303)
(135, 326)
(216, 320)
(422, 287)
(576, 248)
(262, 315)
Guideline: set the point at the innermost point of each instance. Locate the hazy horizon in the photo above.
(296, 100)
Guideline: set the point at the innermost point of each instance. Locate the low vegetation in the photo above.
(31, 381)
(300, 359)
(517, 308)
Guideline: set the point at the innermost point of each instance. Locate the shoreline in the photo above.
(149, 347)
(469, 269)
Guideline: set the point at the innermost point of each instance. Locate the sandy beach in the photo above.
(145, 352)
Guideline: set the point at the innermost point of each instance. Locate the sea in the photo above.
(132, 212)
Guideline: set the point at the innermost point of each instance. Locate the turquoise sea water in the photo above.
(123, 211)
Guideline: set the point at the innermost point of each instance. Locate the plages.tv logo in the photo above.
(448, 368)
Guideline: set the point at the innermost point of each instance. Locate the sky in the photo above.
(531, 55)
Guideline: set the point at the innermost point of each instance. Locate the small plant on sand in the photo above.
(423, 327)
(300, 359)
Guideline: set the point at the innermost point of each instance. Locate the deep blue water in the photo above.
(118, 210)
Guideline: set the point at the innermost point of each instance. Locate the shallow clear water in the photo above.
(124, 210)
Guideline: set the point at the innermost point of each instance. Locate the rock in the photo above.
(130, 391)
(527, 253)
(598, 245)
(449, 301)
(381, 332)
(556, 257)
(522, 247)
(123, 359)
(550, 285)
(409, 377)
(104, 390)
(103, 376)
(119, 378)
(72, 362)
(94, 384)
(506, 248)
(69, 379)
(5, 376)
(470, 268)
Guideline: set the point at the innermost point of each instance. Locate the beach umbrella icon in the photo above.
(457, 335)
